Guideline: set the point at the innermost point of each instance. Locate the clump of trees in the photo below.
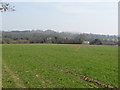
(40, 37)
(50, 36)
(96, 42)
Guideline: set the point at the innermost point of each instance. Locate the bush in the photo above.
(96, 42)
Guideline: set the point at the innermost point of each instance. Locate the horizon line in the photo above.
(61, 32)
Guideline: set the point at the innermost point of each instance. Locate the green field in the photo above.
(59, 66)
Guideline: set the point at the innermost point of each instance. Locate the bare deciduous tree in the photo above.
(6, 7)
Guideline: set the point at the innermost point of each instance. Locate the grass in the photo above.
(58, 66)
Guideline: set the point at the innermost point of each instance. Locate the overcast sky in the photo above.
(81, 17)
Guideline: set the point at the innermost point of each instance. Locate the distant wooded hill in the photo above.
(50, 36)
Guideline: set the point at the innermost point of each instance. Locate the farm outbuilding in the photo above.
(86, 42)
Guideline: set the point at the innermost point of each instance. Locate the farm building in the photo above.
(86, 42)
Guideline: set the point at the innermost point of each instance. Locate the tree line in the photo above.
(50, 36)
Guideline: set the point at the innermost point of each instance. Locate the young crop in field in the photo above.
(59, 66)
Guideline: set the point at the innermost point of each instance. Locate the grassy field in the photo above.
(59, 66)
